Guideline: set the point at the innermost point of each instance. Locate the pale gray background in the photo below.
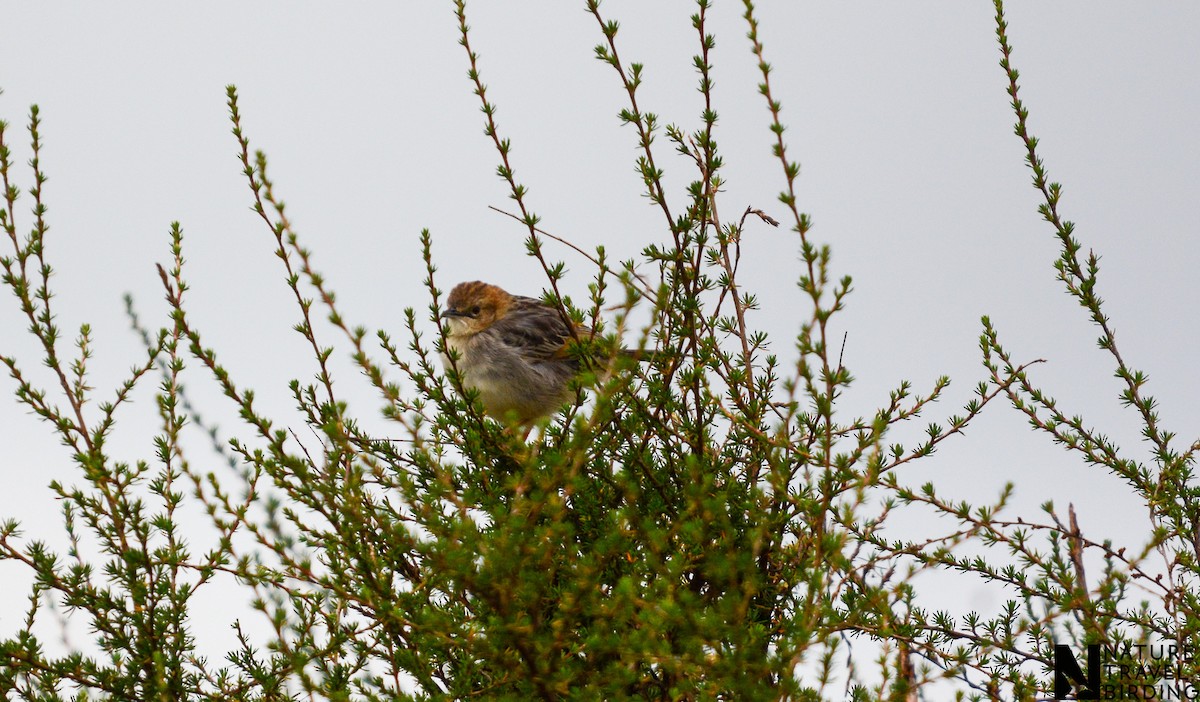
(896, 111)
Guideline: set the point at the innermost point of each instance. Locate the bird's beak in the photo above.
(453, 313)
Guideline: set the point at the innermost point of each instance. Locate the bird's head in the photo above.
(475, 306)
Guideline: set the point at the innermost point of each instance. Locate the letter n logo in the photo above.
(1068, 675)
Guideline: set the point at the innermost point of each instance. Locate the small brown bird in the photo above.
(512, 350)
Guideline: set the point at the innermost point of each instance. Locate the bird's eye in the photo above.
(475, 310)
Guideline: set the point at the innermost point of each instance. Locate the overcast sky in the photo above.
(897, 113)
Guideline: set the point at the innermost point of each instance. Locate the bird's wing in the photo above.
(537, 330)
